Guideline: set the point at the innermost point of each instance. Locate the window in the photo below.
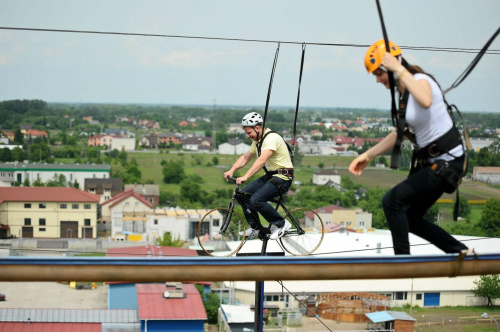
(75, 206)
(92, 190)
(86, 206)
(126, 203)
(38, 176)
(156, 222)
(419, 296)
(27, 205)
(27, 221)
(400, 295)
(63, 206)
(107, 197)
(86, 222)
(42, 206)
(71, 177)
(361, 224)
(216, 222)
(349, 223)
(41, 221)
(107, 190)
(41, 229)
(136, 204)
(272, 298)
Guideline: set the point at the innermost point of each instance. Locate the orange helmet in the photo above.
(375, 54)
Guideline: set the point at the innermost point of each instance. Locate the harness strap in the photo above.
(400, 128)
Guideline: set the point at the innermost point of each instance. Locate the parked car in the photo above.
(2, 297)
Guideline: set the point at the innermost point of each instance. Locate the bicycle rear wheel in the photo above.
(212, 237)
(305, 239)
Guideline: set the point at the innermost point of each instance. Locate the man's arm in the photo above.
(241, 162)
(257, 166)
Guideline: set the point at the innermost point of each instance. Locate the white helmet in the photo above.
(252, 119)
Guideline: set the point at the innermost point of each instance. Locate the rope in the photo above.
(473, 64)
(298, 99)
(270, 87)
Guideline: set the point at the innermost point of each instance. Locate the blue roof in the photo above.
(386, 316)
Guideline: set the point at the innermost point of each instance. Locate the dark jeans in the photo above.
(254, 199)
(405, 205)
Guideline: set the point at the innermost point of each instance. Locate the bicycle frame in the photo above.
(227, 219)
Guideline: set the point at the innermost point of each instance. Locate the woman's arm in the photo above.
(358, 165)
(419, 89)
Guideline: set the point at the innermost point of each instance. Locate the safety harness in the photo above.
(442, 145)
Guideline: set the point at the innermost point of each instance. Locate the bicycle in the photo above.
(219, 229)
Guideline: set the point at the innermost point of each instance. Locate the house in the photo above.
(123, 295)
(148, 141)
(168, 138)
(105, 188)
(236, 149)
(180, 223)
(150, 192)
(48, 212)
(326, 175)
(13, 172)
(490, 175)
(123, 143)
(33, 133)
(100, 140)
(126, 202)
(235, 128)
(337, 218)
(117, 132)
(197, 143)
(170, 307)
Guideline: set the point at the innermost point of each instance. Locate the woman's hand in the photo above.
(392, 63)
(358, 165)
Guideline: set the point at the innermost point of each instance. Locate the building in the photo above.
(422, 292)
(13, 172)
(123, 143)
(105, 188)
(89, 320)
(48, 212)
(170, 307)
(150, 192)
(336, 218)
(489, 175)
(127, 201)
(123, 295)
(326, 176)
(197, 143)
(237, 149)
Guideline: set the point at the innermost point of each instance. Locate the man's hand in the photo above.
(226, 174)
(241, 180)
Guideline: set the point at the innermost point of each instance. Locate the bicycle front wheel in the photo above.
(306, 233)
(218, 235)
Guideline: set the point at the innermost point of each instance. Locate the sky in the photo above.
(103, 68)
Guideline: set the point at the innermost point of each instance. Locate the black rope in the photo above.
(270, 88)
(298, 99)
(418, 48)
(473, 64)
(391, 77)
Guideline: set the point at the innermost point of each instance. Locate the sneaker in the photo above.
(280, 231)
(250, 233)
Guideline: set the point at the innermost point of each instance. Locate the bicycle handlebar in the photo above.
(231, 178)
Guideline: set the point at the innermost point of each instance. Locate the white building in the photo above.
(490, 175)
(415, 291)
(238, 149)
(123, 144)
(326, 175)
(10, 173)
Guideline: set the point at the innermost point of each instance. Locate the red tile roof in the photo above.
(154, 251)
(125, 194)
(46, 194)
(50, 327)
(152, 304)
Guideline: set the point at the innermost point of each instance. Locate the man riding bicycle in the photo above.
(273, 156)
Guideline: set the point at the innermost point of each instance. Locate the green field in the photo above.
(202, 165)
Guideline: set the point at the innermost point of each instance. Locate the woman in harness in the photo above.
(440, 151)
(272, 156)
